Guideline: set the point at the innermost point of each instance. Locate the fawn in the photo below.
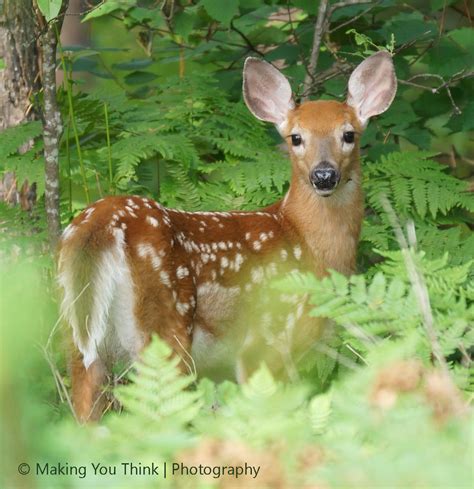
(131, 268)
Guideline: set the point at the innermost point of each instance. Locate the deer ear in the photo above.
(372, 86)
(267, 92)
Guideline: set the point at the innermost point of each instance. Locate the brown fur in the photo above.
(327, 229)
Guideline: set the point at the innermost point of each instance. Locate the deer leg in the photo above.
(87, 397)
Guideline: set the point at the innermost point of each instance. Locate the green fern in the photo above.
(415, 185)
(386, 305)
(12, 138)
(157, 393)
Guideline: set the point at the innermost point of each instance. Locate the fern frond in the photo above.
(157, 393)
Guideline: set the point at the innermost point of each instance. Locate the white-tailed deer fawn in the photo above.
(131, 268)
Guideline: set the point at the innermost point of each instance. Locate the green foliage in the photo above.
(415, 185)
(177, 130)
(49, 8)
(387, 305)
(157, 392)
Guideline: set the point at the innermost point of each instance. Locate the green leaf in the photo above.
(140, 77)
(463, 37)
(220, 12)
(133, 64)
(420, 199)
(441, 4)
(108, 7)
(184, 23)
(49, 8)
(260, 385)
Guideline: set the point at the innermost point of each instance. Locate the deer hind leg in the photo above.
(88, 397)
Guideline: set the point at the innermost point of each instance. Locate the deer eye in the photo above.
(348, 137)
(296, 139)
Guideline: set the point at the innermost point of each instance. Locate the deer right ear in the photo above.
(267, 92)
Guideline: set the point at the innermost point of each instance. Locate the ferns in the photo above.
(415, 185)
(386, 305)
(12, 138)
(157, 393)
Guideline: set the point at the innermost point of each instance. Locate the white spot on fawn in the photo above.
(257, 245)
(257, 275)
(88, 212)
(145, 250)
(239, 259)
(182, 272)
(165, 278)
(152, 221)
(182, 308)
(297, 252)
(68, 232)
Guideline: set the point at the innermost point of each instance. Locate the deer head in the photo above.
(323, 137)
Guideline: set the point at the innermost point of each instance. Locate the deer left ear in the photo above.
(372, 86)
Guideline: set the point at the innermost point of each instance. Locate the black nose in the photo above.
(324, 177)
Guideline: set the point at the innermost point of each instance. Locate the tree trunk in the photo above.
(19, 49)
(52, 125)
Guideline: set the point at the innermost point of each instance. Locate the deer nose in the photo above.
(324, 176)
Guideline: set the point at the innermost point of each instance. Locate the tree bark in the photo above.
(52, 124)
(19, 49)
(317, 38)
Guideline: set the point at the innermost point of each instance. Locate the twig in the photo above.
(445, 85)
(355, 352)
(321, 27)
(313, 60)
(350, 21)
(336, 355)
(246, 39)
(192, 371)
(62, 390)
(346, 3)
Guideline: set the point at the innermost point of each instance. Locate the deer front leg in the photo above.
(88, 398)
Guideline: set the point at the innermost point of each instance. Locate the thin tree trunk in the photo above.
(52, 125)
(313, 60)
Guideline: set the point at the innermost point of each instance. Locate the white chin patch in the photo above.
(325, 193)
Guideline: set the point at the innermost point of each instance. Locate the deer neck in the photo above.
(328, 227)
